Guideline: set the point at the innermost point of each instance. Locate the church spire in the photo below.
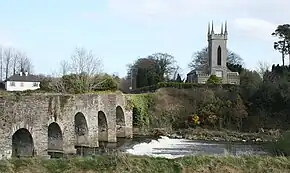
(226, 28)
(212, 31)
(208, 29)
(222, 28)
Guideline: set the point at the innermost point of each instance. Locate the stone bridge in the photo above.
(37, 125)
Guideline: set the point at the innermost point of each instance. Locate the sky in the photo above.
(120, 31)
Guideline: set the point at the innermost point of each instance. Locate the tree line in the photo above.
(161, 67)
(82, 73)
(12, 61)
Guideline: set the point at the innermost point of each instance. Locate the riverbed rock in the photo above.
(261, 130)
(209, 135)
(159, 132)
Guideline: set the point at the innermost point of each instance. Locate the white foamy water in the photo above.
(174, 148)
(161, 147)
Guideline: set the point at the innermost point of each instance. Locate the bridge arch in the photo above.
(22, 143)
(102, 127)
(81, 129)
(55, 138)
(120, 122)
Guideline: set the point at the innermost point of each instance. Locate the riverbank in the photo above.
(134, 164)
(211, 135)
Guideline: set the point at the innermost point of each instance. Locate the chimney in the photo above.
(20, 73)
(26, 73)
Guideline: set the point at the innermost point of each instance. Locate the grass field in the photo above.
(133, 164)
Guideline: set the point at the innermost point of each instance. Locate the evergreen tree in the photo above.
(178, 79)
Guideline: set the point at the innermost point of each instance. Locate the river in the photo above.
(174, 148)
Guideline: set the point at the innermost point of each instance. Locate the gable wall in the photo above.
(18, 87)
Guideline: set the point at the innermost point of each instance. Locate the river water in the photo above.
(174, 148)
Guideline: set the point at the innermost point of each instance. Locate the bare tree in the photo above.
(85, 68)
(64, 67)
(200, 60)
(15, 62)
(12, 61)
(24, 63)
(8, 57)
(262, 68)
(1, 63)
(83, 61)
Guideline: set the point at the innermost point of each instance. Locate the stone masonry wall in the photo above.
(128, 114)
(36, 112)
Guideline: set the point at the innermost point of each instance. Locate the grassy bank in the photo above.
(173, 109)
(128, 164)
(222, 115)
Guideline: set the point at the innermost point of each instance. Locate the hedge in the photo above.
(177, 85)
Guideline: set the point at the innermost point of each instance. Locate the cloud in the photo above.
(256, 19)
(168, 9)
(149, 9)
(273, 11)
(255, 28)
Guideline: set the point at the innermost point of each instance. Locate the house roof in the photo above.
(191, 72)
(23, 78)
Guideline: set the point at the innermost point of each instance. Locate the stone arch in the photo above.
(120, 116)
(102, 126)
(55, 138)
(81, 128)
(22, 143)
(219, 56)
(120, 122)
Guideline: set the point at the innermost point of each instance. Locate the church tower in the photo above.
(217, 51)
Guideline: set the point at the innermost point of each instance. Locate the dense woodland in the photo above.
(261, 101)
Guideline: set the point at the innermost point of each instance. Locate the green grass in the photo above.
(134, 164)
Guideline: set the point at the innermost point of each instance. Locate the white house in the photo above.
(21, 82)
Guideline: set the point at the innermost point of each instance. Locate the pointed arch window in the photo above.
(219, 56)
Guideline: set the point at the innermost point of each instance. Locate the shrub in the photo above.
(106, 83)
(213, 79)
(178, 85)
